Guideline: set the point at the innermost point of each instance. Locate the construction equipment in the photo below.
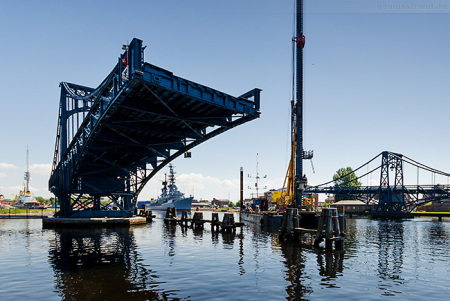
(309, 199)
(295, 181)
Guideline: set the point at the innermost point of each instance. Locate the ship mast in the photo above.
(27, 174)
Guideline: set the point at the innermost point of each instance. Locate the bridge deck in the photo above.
(138, 120)
(155, 115)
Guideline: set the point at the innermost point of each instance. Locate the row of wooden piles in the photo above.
(228, 224)
(148, 214)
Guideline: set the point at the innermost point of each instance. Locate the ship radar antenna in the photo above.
(171, 175)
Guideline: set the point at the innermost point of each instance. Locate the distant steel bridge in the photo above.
(113, 139)
(391, 195)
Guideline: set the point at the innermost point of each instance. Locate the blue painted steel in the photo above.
(391, 195)
(113, 139)
(299, 107)
(391, 198)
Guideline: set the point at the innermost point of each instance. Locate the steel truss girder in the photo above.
(387, 197)
(415, 195)
(104, 155)
(188, 147)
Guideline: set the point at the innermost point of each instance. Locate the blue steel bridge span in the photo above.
(391, 195)
(113, 139)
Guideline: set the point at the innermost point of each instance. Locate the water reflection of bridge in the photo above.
(100, 265)
(106, 264)
(140, 262)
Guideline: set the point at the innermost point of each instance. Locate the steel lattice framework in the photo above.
(113, 139)
(391, 195)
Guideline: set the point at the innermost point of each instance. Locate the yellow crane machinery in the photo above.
(288, 191)
(309, 200)
(287, 198)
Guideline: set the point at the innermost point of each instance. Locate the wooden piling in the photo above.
(290, 222)
(197, 220)
(149, 216)
(184, 219)
(215, 224)
(171, 215)
(228, 223)
(331, 229)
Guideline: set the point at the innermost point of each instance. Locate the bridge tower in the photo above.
(391, 198)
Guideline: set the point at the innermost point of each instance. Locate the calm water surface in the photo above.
(403, 260)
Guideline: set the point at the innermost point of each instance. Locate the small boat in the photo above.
(170, 196)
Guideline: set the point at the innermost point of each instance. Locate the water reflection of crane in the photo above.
(295, 271)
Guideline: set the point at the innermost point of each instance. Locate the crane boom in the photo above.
(300, 41)
(295, 181)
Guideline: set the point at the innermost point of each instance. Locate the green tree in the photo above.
(238, 204)
(230, 204)
(41, 200)
(45, 201)
(345, 177)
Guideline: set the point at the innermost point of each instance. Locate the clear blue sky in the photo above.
(376, 78)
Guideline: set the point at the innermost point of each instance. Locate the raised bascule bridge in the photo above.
(390, 196)
(113, 139)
